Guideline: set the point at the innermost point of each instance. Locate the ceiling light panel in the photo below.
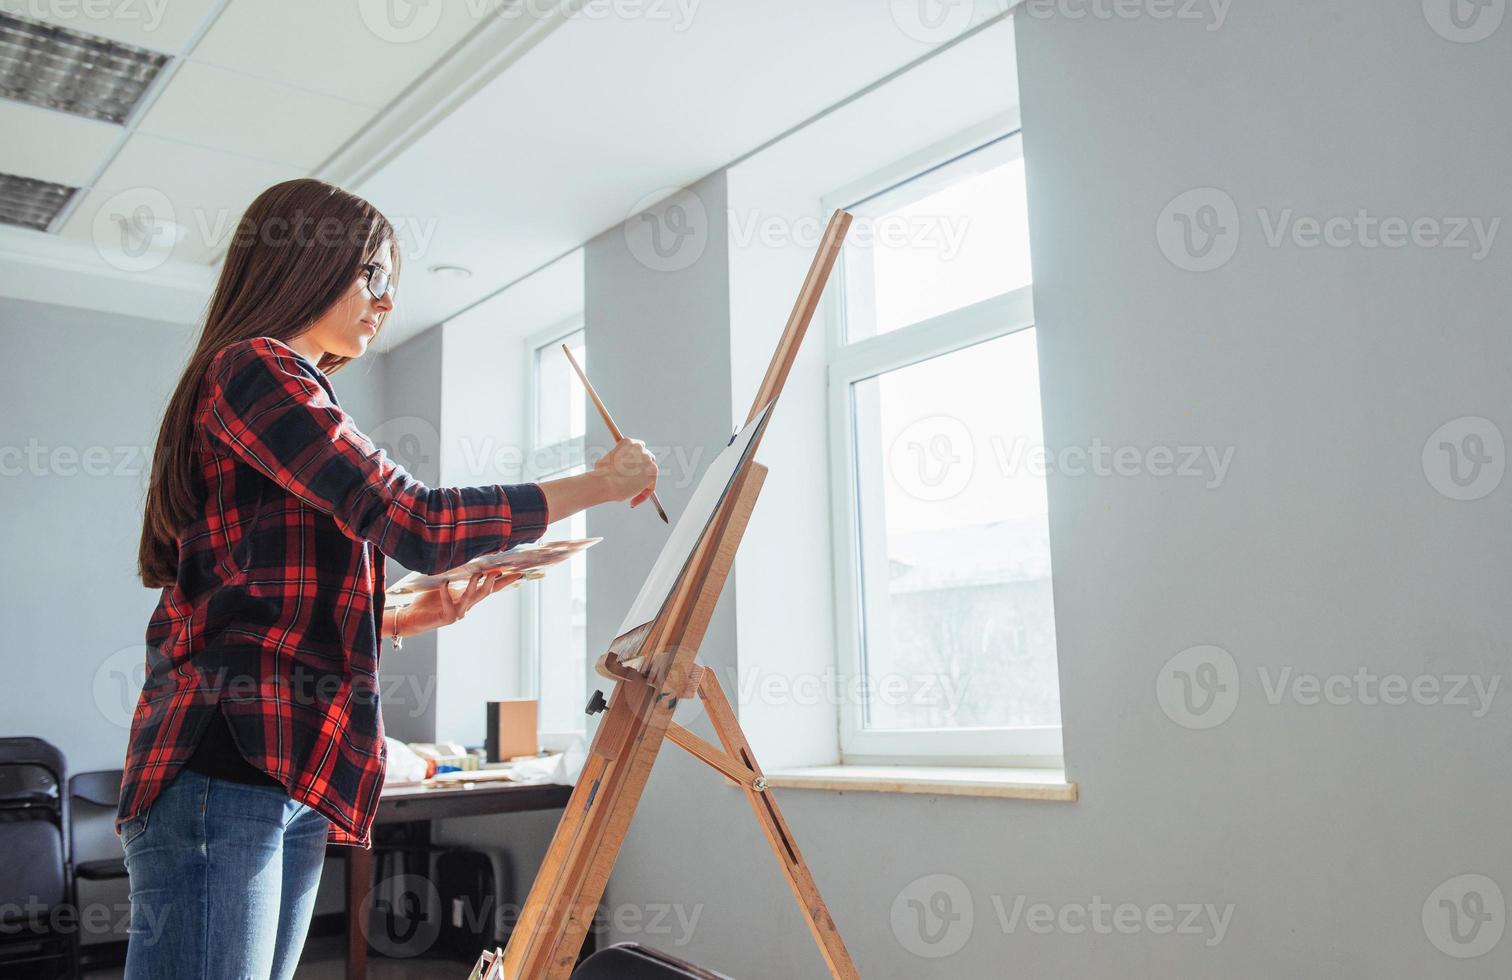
(61, 69)
(31, 203)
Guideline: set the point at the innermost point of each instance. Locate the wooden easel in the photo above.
(571, 882)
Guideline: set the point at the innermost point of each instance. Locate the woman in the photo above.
(257, 738)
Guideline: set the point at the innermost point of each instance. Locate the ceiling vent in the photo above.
(31, 203)
(61, 69)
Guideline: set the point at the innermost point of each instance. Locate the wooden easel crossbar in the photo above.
(562, 902)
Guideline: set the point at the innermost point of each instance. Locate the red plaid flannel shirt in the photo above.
(278, 607)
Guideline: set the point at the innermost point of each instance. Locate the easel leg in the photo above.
(794, 868)
(559, 911)
(560, 907)
(542, 920)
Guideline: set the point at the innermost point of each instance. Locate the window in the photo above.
(945, 239)
(555, 607)
(947, 628)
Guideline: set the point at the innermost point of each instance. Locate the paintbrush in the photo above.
(614, 430)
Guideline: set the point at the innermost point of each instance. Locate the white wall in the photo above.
(484, 413)
(482, 439)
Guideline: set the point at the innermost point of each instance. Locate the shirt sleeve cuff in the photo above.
(527, 510)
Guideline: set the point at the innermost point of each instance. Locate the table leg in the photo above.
(359, 879)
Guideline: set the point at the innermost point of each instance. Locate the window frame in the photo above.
(576, 454)
(850, 362)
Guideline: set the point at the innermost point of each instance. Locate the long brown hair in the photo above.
(294, 255)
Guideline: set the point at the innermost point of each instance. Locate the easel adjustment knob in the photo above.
(596, 703)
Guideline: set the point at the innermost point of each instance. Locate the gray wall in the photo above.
(1327, 549)
(84, 395)
(1333, 830)
(360, 388)
(405, 421)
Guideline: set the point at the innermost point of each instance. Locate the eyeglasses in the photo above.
(376, 278)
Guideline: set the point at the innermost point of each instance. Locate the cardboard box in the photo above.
(511, 729)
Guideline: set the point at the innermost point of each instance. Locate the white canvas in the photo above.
(690, 525)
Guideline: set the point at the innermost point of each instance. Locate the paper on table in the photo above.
(534, 769)
(690, 525)
(490, 964)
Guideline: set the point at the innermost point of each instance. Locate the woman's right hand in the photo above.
(628, 471)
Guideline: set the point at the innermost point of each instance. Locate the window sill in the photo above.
(1011, 784)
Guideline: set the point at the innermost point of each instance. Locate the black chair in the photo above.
(95, 797)
(40, 938)
(632, 961)
(95, 792)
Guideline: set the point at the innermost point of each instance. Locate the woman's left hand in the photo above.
(440, 607)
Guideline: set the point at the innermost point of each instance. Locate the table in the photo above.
(415, 804)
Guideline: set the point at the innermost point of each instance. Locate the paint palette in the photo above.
(529, 560)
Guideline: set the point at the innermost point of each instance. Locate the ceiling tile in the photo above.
(231, 111)
(357, 51)
(203, 190)
(49, 145)
(157, 24)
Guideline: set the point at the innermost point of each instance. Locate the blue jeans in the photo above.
(223, 880)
